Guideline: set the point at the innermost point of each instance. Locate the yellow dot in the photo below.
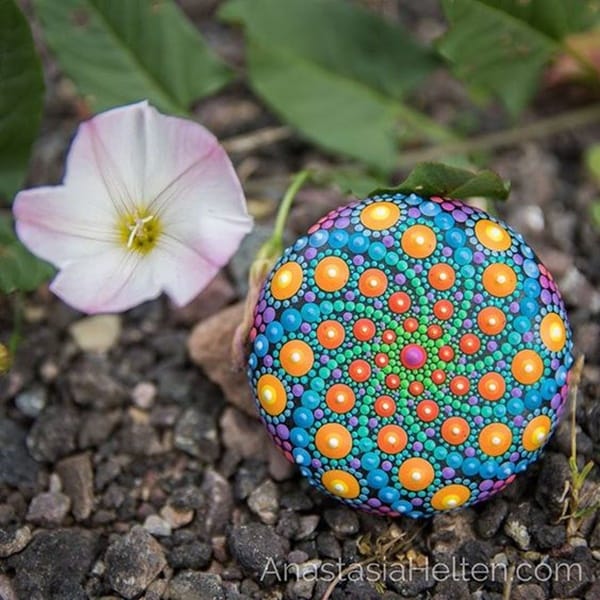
(527, 366)
(271, 394)
(492, 235)
(380, 215)
(296, 357)
(450, 496)
(418, 241)
(341, 483)
(536, 433)
(286, 281)
(553, 332)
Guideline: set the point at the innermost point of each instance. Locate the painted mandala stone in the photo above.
(410, 355)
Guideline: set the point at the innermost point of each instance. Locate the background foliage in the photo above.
(341, 76)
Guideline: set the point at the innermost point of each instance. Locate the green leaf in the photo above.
(501, 46)
(19, 269)
(336, 73)
(436, 179)
(592, 161)
(119, 52)
(21, 97)
(352, 181)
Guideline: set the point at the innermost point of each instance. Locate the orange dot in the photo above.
(399, 302)
(434, 332)
(380, 215)
(340, 483)
(527, 366)
(416, 474)
(359, 370)
(427, 410)
(372, 283)
(392, 439)
(446, 353)
(296, 357)
(410, 325)
(553, 332)
(416, 388)
(469, 343)
(438, 376)
(331, 274)
(418, 241)
(450, 496)
(340, 398)
(385, 406)
(492, 235)
(441, 276)
(271, 394)
(455, 430)
(381, 359)
(495, 439)
(333, 440)
(460, 385)
(330, 334)
(392, 381)
(536, 433)
(443, 309)
(491, 320)
(492, 386)
(499, 280)
(286, 281)
(363, 329)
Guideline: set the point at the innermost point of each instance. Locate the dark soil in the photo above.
(129, 473)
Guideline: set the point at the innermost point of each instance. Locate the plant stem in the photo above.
(15, 336)
(539, 129)
(286, 205)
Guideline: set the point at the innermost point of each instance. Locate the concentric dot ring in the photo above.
(410, 355)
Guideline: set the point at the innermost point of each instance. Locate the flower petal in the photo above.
(59, 227)
(112, 281)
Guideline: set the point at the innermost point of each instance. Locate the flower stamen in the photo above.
(139, 231)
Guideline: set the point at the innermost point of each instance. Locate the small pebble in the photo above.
(96, 334)
(157, 526)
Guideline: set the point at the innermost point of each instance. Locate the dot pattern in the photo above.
(410, 355)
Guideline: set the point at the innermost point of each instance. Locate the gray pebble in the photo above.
(48, 508)
(32, 401)
(264, 502)
(13, 540)
(191, 585)
(342, 521)
(196, 433)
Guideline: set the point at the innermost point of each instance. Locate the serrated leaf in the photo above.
(502, 45)
(21, 97)
(120, 52)
(437, 179)
(19, 269)
(336, 73)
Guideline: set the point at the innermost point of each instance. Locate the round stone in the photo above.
(410, 355)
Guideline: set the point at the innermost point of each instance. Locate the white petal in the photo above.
(59, 227)
(182, 271)
(113, 281)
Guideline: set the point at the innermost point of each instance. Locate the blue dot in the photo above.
(561, 376)
(310, 312)
(488, 469)
(402, 506)
(515, 406)
(505, 470)
(454, 460)
(261, 345)
(463, 256)
(389, 495)
(318, 238)
(370, 461)
(338, 238)
(252, 361)
(529, 307)
(274, 331)
(301, 457)
(499, 410)
(522, 466)
(358, 243)
(303, 417)
(377, 478)
(533, 399)
(377, 251)
(366, 444)
(549, 388)
(430, 209)
(299, 437)
(470, 466)
(444, 220)
(311, 399)
(440, 452)
(532, 288)
(291, 319)
(456, 238)
(300, 243)
(531, 269)
(522, 324)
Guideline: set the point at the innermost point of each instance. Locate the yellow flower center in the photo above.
(139, 231)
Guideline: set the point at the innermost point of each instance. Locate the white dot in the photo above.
(332, 271)
(267, 395)
(456, 430)
(339, 487)
(373, 282)
(296, 357)
(333, 442)
(496, 440)
(501, 279)
(285, 278)
(340, 398)
(416, 476)
(528, 368)
(392, 439)
(419, 240)
(451, 502)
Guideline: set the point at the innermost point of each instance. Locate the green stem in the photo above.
(286, 205)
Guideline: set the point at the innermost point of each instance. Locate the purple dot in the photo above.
(528, 336)
(269, 314)
(446, 251)
(336, 373)
(400, 279)
(386, 465)
(297, 390)
(324, 359)
(318, 414)
(478, 258)
(309, 296)
(518, 258)
(486, 484)
(358, 260)
(349, 295)
(271, 428)
(477, 298)
(316, 463)
(355, 463)
(417, 446)
(414, 212)
(514, 457)
(268, 360)
(544, 281)
(470, 451)
(373, 423)
(347, 316)
(287, 446)
(448, 473)
(282, 431)
(305, 328)
(546, 297)
(353, 421)
(310, 253)
(388, 241)
(449, 206)
(417, 501)
(374, 502)
(518, 420)
(491, 345)
(459, 215)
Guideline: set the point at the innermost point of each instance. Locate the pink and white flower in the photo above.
(149, 203)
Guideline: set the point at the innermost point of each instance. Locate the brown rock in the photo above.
(78, 483)
(209, 346)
